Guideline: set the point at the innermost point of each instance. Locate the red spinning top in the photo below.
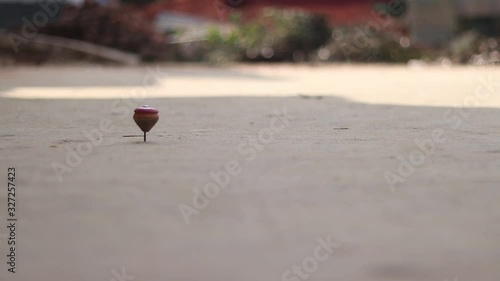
(146, 117)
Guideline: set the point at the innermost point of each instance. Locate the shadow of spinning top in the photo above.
(146, 117)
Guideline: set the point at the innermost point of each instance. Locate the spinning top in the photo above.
(146, 117)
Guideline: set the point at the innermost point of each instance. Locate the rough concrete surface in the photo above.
(315, 172)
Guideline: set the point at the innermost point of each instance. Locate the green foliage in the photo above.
(292, 35)
(277, 35)
(302, 31)
(222, 46)
(355, 44)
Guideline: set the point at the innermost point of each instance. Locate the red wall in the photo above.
(338, 11)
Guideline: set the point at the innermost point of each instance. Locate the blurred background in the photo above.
(367, 86)
(224, 31)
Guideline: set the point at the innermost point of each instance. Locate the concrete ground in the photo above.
(383, 161)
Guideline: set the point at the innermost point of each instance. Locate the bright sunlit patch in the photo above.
(66, 92)
(390, 85)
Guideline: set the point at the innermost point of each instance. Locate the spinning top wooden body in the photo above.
(146, 117)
